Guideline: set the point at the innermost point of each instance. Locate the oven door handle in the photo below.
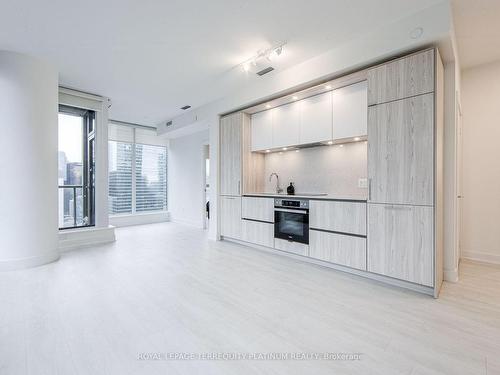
(291, 210)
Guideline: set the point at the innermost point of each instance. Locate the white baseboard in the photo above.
(17, 264)
(139, 219)
(76, 238)
(481, 256)
(451, 275)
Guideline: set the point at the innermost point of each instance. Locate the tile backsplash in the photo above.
(324, 169)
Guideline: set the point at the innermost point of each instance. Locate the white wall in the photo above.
(186, 178)
(332, 169)
(481, 163)
(28, 143)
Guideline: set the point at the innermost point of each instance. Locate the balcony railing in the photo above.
(71, 210)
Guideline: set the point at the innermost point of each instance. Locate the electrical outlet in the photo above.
(362, 183)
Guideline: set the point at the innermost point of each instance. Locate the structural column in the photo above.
(28, 162)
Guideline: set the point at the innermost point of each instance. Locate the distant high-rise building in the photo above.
(74, 173)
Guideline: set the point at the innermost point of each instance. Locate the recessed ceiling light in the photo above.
(295, 97)
(341, 145)
(246, 67)
(268, 105)
(285, 148)
(328, 87)
(330, 142)
(356, 138)
(268, 150)
(281, 153)
(297, 150)
(416, 33)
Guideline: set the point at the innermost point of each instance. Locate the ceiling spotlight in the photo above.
(269, 54)
(268, 150)
(285, 148)
(330, 142)
(297, 150)
(341, 145)
(356, 139)
(295, 97)
(328, 87)
(274, 53)
(268, 105)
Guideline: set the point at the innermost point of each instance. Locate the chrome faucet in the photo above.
(278, 189)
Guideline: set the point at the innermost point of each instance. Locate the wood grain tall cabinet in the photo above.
(238, 171)
(405, 169)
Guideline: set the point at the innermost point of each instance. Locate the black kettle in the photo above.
(290, 190)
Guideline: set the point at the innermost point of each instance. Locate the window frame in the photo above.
(133, 143)
(88, 171)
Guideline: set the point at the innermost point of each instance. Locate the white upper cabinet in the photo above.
(286, 121)
(262, 131)
(332, 115)
(316, 119)
(350, 111)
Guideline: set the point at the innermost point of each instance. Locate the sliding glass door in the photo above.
(76, 176)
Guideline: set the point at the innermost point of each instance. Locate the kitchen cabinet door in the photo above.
(230, 211)
(402, 78)
(286, 125)
(230, 154)
(316, 119)
(337, 248)
(262, 131)
(401, 151)
(350, 111)
(401, 242)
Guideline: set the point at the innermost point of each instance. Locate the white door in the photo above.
(459, 187)
(262, 131)
(316, 119)
(350, 111)
(286, 125)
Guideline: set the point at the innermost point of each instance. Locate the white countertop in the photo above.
(308, 196)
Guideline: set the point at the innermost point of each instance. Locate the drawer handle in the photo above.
(406, 208)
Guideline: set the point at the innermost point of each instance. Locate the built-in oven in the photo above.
(291, 219)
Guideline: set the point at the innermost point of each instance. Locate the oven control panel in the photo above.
(291, 203)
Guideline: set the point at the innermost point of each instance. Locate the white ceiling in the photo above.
(477, 29)
(151, 57)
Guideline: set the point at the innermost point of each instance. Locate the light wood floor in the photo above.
(165, 288)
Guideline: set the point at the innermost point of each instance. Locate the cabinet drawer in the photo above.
(336, 248)
(291, 247)
(338, 216)
(257, 233)
(401, 242)
(403, 78)
(257, 208)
